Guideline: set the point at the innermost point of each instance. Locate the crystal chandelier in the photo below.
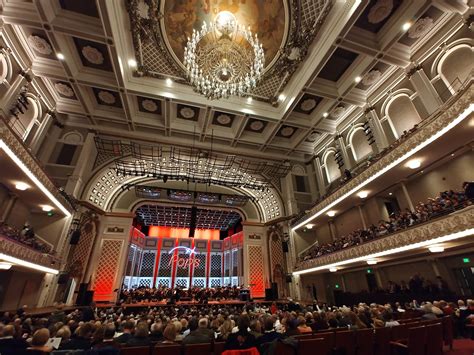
(223, 58)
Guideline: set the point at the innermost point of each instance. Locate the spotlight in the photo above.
(132, 63)
(281, 97)
(46, 208)
(362, 194)
(169, 81)
(357, 79)
(249, 100)
(325, 114)
(331, 213)
(309, 226)
(5, 266)
(406, 26)
(414, 164)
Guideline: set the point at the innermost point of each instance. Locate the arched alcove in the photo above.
(360, 146)
(456, 66)
(25, 121)
(402, 114)
(332, 170)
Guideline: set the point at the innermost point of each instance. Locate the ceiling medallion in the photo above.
(64, 89)
(287, 131)
(224, 119)
(420, 28)
(256, 125)
(149, 105)
(371, 77)
(380, 11)
(187, 112)
(223, 58)
(93, 55)
(106, 97)
(308, 104)
(40, 45)
(338, 111)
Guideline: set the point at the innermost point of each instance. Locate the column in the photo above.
(362, 217)
(296, 287)
(378, 278)
(407, 196)
(319, 176)
(381, 140)
(343, 150)
(428, 95)
(11, 96)
(75, 183)
(9, 206)
(332, 229)
(343, 283)
(289, 194)
(41, 132)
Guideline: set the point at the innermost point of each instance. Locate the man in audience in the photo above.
(82, 339)
(196, 335)
(140, 337)
(10, 345)
(127, 334)
(108, 345)
(269, 333)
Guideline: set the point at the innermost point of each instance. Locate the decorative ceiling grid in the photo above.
(373, 48)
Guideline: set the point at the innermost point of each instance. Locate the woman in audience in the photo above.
(356, 323)
(225, 329)
(38, 342)
(140, 337)
(169, 334)
(242, 339)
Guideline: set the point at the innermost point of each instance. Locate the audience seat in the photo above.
(365, 342)
(197, 349)
(345, 342)
(434, 336)
(414, 345)
(251, 351)
(219, 348)
(448, 331)
(400, 332)
(328, 336)
(314, 346)
(135, 350)
(167, 350)
(382, 341)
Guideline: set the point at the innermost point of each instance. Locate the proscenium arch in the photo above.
(104, 186)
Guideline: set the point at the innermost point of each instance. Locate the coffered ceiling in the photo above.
(122, 75)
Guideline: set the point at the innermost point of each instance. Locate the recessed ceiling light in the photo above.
(406, 26)
(452, 154)
(249, 99)
(331, 213)
(281, 97)
(436, 249)
(309, 226)
(46, 208)
(333, 269)
(372, 262)
(357, 79)
(414, 164)
(132, 63)
(60, 56)
(21, 186)
(5, 266)
(169, 81)
(325, 114)
(363, 194)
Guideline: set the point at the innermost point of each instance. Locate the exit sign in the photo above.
(369, 271)
(337, 285)
(466, 260)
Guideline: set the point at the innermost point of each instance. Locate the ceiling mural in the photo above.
(264, 17)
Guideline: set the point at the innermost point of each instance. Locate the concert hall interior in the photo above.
(243, 160)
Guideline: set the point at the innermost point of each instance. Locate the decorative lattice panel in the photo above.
(145, 281)
(235, 262)
(200, 282)
(216, 282)
(83, 248)
(227, 264)
(131, 252)
(182, 282)
(165, 268)
(154, 59)
(107, 268)
(276, 254)
(182, 271)
(256, 270)
(268, 87)
(216, 265)
(235, 281)
(200, 271)
(311, 10)
(226, 281)
(137, 261)
(148, 263)
(165, 281)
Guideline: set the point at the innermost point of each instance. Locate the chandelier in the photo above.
(224, 58)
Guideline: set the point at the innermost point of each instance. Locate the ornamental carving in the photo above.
(420, 28)
(106, 97)
(456, 222)
(380, 11)
(149, 105)
(427, 129)
(64, 89)
(92, 55)
(40, 45)
(371, 77)
(17, 250)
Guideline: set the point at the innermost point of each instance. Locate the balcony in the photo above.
(449, 229)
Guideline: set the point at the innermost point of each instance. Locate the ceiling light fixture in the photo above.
(406, 26)
(436, 248)
(372, 262)
(60, 56)
(357, 79)
(249, 100)
(132, 63)
(331, 213)
(5, 266)
(169, 81)
(33, 178)
(325, 114)
(414, 164)
(333, 269)
(223, 58)
(46, 208)
(309, 226)
(21, 186)
(363, 194)
(21, 262)
(281, 97)
(424, 244)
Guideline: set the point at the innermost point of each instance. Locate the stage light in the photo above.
(331, 213)
(406, 26)
(60, 56)
(436, 249)
(333, 269)
(390, 193)
(5, 266)
(363, 194)
(22, 186)
(372, 262)
(413, 164)
(46, 208)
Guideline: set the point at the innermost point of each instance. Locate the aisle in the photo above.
(461, 347)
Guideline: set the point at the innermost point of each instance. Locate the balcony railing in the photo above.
(456, 222)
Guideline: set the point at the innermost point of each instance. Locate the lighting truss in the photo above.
(190, 165)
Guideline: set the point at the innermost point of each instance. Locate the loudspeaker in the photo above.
(284, 245)
(289, 279)
(75, 236)
(275, 290)
(81, 295)
(63, 278)
(269, 294)
(192, 224)
(89, 297)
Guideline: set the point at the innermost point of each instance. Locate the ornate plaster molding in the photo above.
(20, 251)
(452, 223)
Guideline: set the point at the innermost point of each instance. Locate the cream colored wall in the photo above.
(48, 228)
(348, 222)
(19, 287)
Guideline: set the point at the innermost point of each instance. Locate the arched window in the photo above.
(402, 114)
(25, 121)
(332, 170)
(360, 146)
(456, 65)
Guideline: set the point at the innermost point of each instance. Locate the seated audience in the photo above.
(9, 344)
(39, 341)
(140, 337)
(108, 345)
(242, 339)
